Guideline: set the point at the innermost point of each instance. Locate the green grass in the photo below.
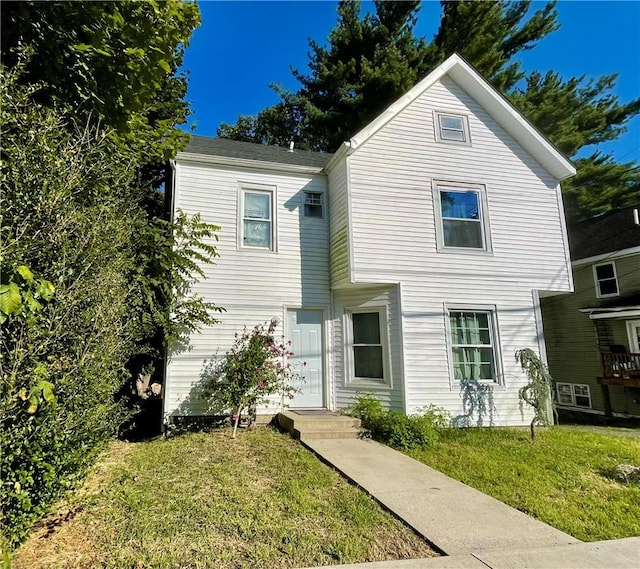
(561, 478)
(206, 500)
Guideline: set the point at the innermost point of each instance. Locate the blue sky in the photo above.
(242, 47)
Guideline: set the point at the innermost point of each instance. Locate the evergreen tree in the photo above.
(369, 62)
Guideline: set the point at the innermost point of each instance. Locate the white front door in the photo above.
(633, 330)
(304, 329)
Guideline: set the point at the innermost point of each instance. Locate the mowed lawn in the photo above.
(562, 478)
(206, 500)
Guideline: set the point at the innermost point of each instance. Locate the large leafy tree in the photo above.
(113, 62)
(369, 61)
(95, 282)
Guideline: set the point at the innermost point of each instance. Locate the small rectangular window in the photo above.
(257, 219)
(452, 128)
(606, 280)
(313, 204)
(472, 345)
(573, 394)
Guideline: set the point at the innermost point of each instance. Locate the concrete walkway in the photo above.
(471, 528)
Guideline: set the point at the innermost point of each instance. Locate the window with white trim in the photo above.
(573, 394)
(462, 222)
(313, 204)
(451, 128)
(257, 219)
(472, 339)
(606, 280)
(368, 344)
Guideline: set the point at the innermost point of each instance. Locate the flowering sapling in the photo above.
(254, 368)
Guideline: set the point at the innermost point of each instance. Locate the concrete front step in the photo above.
(305, 425)
(307, 434)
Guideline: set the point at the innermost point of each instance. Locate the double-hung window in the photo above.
(462, 220)
(573, 394)
(606, 280)
(473, 345)
(451, 128)
(313, 204)
(257, 219)
(367, 355)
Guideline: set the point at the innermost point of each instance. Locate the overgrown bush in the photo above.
(75, 215)
(397, 429)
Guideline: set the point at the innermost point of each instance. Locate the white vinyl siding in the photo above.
(606, 280)
(339, 225)
(383, 300)
(394, 238)
(253, 287)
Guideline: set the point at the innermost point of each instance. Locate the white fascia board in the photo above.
(607, 256)
(603, 314)
(344, 150)
(184, 157)
(493, 102)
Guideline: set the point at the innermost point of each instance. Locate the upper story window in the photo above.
(257, 219)
(462, 220)
(606, 280)
(452, 128)
(313, 204)
(473, 345)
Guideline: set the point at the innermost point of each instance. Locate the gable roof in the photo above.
(500, 109)
(606, 233)
(222, 147)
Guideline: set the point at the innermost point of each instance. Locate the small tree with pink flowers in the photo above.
(252, 370)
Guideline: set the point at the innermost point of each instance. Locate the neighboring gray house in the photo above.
(407, 262)
(593, 335)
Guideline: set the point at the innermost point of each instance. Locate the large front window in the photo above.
(257, 219)
(473, 351)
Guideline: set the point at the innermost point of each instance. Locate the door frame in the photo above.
(326, 398)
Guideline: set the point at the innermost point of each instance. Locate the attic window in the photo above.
(452, 128)
(313, 204)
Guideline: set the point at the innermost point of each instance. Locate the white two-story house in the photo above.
(409, 264)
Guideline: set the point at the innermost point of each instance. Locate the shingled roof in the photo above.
(605, 233)
(260, 152)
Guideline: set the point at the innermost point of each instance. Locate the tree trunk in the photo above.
(235, 424)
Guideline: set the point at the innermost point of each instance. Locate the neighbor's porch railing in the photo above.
(624, 365)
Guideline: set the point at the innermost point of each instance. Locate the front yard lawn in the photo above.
(561, 478)
(206, 500)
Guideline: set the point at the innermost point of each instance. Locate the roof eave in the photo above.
(344, 150)
(247, 163)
